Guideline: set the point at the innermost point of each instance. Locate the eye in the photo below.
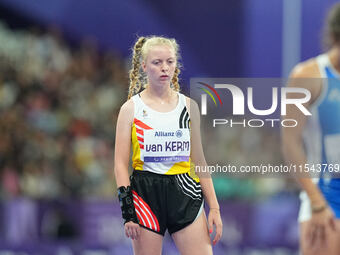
(156, 62)
(171, 61)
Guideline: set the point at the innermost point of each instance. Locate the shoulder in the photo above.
(126, 112)
(306, 69)
(128, 106)
(190, 102)
(192, 106)
(307, 75)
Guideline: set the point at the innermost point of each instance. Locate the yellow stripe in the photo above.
(184, 167)
(179, 168)
(137, 163)
(192, 172)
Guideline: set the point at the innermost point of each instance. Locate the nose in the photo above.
(165, 67)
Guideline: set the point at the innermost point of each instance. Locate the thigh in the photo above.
(148, 200)
(331, 247)
(194, 239)
(184, 202)
(148, 243)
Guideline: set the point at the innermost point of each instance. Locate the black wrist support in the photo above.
(126, 204)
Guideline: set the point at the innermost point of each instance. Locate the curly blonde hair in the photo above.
(140, 51)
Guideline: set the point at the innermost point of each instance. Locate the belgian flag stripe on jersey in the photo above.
(184, 118)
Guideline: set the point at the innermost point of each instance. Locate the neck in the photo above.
(162, 92)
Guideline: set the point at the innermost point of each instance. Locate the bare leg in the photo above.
(148, 243)
(194, 239)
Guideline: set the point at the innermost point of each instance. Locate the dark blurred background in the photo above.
(63, 78)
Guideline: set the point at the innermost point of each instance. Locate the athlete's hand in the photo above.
(214, 218)
(132, 230)
(322, 225)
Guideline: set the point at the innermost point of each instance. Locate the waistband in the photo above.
(148, 173)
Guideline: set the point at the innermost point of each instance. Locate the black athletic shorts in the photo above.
(165, 201)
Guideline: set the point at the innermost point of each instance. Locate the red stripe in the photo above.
(146, 216)
(147, 220)
(141, 146)
(141, 124)
(142, 215)
(140, 131)
(140, 139)
(148, 207)
(140, 220)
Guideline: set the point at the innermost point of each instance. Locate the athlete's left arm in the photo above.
(198, 159)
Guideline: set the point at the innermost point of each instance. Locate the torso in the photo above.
(322, 132)
(161, 136)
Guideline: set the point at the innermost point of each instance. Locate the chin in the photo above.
(164, 82)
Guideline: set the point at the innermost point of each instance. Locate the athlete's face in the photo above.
(160, 64)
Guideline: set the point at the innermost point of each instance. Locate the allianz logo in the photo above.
(161, 133)
(178, 133)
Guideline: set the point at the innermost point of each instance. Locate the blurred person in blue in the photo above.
(316, 143)
(162, 194)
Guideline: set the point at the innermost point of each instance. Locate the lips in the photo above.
(164, 76)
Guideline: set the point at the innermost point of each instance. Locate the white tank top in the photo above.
(161, 141)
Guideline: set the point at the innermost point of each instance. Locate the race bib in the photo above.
(168, 145)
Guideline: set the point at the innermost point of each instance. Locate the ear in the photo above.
(144, 66)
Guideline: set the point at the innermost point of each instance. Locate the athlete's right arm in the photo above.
(122, 157)
(322, 217)
(123, 144)
(292, 143)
